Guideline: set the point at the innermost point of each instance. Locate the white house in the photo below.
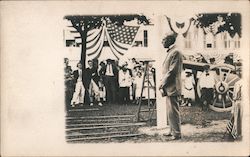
(210, 45)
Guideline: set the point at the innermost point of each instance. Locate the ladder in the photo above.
(151, 102)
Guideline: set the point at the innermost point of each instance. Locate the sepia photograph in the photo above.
(123, 78)
(110, 86)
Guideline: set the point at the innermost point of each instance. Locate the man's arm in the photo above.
(174, 63)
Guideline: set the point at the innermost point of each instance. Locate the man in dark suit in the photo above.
(111, 81)
(171, 85)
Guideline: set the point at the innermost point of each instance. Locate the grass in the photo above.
(191, 120)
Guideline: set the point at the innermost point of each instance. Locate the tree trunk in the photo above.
(83, 62)
(83, 48)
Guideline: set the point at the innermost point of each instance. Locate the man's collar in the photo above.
(171, 48)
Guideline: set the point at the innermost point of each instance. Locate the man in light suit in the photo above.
(171, 85)
(79, 88)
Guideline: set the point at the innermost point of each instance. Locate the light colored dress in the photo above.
(234, 126)
(188, 87)
(138, 86)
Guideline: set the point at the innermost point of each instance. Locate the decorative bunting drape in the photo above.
(95, 40)
(179, 28)
(119, 37)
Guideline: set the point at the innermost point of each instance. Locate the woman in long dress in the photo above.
(138, 85)
(234, 126)
(188, 89)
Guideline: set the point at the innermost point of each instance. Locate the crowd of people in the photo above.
(199, 58)
(112, 82)
(108, 82)
(206, 77)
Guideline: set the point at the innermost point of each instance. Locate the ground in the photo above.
(192, 129)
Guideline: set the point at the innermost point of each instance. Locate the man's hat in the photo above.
(188, 71)
(109, 60)
(137, 65)
(205, 67)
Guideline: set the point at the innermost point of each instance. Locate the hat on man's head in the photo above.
(102, 62)
(137, 65)
(206, 67)
(109, 60)
(188, 70)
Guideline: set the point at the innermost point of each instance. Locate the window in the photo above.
(236, 41)
(70, 43)
(209, 45)
(225, 44)
(188, 41)
(145, 35)
(226, 41)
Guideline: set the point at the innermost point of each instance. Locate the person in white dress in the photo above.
(125, 81)
(234, 126)
(188, 88)
(138, 86)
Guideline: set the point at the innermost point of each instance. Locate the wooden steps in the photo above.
(104, 127)
(101, 117)
(98, 128)
(103, 137)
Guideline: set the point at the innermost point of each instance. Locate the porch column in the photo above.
(160, 54)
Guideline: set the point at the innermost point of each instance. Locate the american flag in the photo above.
(120, 37)
(231, 128)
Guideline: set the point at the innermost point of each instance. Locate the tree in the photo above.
(83, 24)
(232, 22)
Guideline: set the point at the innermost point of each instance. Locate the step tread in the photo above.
(94, 124)
(103, 137)
(97, 134)
(99, 117)
(103, 127)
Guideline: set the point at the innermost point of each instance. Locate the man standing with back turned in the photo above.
(171, 85)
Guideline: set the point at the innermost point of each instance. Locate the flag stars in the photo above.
(122, 34)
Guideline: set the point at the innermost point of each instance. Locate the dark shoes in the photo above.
(167, 134)
(176, 137)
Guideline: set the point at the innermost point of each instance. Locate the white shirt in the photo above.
(237, 90)
(80, 75)
(189, 82)
(124, 79)
(109, 70)
(207, 81)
